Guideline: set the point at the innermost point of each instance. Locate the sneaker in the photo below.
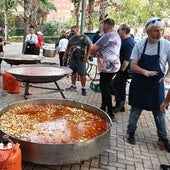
(119, 108)
(71, 88)
(164, 144)
(130, 138)
(83, 92)
(165, 167)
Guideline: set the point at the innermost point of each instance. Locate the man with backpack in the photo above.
(78, 50)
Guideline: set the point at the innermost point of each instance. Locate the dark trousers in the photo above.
(119, 87)
(105, 86)
(62, 63)
(37, 51)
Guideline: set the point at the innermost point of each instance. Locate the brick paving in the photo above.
(145, 155)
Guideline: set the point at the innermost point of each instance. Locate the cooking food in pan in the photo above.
(52, 124)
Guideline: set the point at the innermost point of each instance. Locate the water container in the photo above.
(10, 155)
(4, 82)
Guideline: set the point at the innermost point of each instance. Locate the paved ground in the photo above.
(145, 155)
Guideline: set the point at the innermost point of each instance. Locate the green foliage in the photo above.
(17, 31)
(51, 39)
(47, 39)
(137, 11)
(16, 38)
(46, 4)
(51, 28)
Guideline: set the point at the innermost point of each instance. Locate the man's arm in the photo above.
(137, 69)
(94, 49)
(87, 55)
(66, 53)
(124, 65)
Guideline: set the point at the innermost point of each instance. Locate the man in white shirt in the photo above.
(148, 63)
(31, 41)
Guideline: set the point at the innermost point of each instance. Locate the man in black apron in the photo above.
(31, 41)
(148, 60)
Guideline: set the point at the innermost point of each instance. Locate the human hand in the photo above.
(85, 59)
(64, 58)
(150, 73)
(165, 79)
(164, 106)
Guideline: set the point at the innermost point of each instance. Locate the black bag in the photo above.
(78, 47)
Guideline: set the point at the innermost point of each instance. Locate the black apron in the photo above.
(146, 92)
(30, 49)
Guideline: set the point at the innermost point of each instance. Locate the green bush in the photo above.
(16, 38)
(47, 39)
(51, 39)
(17, 31)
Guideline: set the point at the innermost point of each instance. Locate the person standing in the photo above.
(1, 51)
(31, 41)
(78, 50)
(107, 50)
(39, 45)
(63, 42)
(120, 80)
(147, 92)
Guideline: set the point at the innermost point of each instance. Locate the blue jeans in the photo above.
(159, 118)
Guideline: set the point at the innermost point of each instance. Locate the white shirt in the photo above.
(32, 37)
(62, 44)
(152, 49)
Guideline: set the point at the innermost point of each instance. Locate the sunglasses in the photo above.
(152, 22)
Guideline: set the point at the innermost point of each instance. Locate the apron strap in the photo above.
(158, 48)
(146, 44)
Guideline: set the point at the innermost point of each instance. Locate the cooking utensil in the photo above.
(17, 59)
(58, 154)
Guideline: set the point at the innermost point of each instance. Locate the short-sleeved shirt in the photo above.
(108, 53)
(62, 44)
(31, 37)
(126, 49)
(78, 46)
(151, 49)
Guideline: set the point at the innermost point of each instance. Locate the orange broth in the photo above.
(52, 124)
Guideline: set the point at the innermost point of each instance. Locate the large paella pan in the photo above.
(60, 152)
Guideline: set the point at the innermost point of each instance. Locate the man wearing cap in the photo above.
(148, 60)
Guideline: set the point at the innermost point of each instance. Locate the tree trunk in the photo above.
(78, 14)
(26, 26)
(30, 17)
(6, 20)
(102, 12)
(90, 15)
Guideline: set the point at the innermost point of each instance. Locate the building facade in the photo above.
(62, 13)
